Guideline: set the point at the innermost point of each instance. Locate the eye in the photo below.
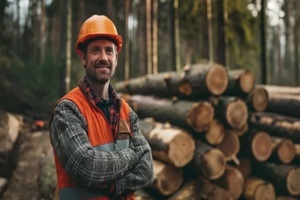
(95, 50)
(109, 50)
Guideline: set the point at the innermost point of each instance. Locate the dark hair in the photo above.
(82, 46)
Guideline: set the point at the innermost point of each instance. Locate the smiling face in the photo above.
(100, 61)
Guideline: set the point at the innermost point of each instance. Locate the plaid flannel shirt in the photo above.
(130, 169)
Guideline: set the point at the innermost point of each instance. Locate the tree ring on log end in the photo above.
(261, 146)
(181, 149)
(265, 191)
(237, 114)
(247, 81)
(286, 151)
(214, 164)
(260, 99)
(292, 181)
(217, 80)
(200, 116)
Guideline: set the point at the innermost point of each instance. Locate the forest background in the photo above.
(38, 62)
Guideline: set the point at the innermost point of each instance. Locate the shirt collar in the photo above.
(86, 87)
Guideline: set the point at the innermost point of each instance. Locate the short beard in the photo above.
(96, 80)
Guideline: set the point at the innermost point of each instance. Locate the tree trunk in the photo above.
(258, 189)
(240, 83)
(284, 177)
(232, 112)
(276, 125)
(232, 180)
(207, 161)
(170, 144)
(276, 89)
(239, 132)
(257, 145)
(195, 116)
(167, 178)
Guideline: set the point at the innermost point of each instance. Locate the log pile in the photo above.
(215, 134)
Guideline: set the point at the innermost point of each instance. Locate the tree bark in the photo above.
(170, 144)
(258, 189)
(245, 166)
(195, 116)
(256, 145)
(276, 124)
(167, 178)
(284, 104)
(284, 177)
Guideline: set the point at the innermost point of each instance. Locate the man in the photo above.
(99, 150)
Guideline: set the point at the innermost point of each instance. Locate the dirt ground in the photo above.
(32, 147)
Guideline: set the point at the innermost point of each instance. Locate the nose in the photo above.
(103, 57)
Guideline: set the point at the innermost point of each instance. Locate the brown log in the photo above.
(168, 143)
(207, 161)
(195, 116)
(230, 146)
(241, 82)
(232, 111)
(258, 99)
(284, 100)
(245, 166)
(277, 89)
(196, 81)
(285, 178)
(297, 154)
(276, 124)
(167, 178)
(200, 189)
(215, 133)
(258, 189)
(202, 80)
(232, 180)
(283, 150)
(256, 144)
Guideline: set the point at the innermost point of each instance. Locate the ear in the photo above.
(82, 58)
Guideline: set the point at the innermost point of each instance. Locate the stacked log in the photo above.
(223, 119)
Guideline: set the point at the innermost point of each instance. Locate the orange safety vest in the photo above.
(101, 138)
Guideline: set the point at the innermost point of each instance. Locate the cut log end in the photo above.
(292, 182)
(261, 146)
(214, 164)
(200, 116)
(167, 179)
(230, 146)
(215, 133)
(286, 151)
(247, 81)
(237, 114)
(265, 191)
(217, 80)
(259, 99)
(181, 150)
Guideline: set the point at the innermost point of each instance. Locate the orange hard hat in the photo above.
(98, 26)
